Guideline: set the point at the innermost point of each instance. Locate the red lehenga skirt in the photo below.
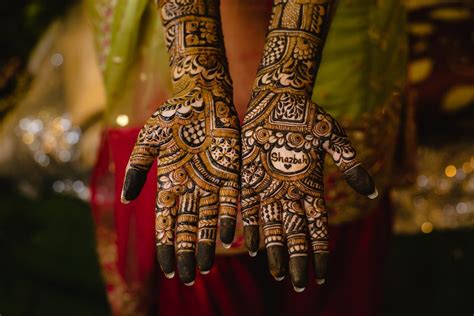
(238, 284)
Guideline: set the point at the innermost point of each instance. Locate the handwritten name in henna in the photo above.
(288, 161)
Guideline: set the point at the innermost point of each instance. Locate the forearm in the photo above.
(294, 46)
(195, 42)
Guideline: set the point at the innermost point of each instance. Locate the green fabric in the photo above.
(123, 32)
(136, 50)
(364, 60)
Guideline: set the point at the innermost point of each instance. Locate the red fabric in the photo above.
(135, 222)
(240, 285)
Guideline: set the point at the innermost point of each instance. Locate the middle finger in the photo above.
(294, 223)
(207, 231)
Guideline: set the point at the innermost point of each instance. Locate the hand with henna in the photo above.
(285, 138)
(195, 138)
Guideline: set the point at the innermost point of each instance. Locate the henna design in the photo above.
(195, 138)
(285, 137)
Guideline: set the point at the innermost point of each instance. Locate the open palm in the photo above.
(284, 141)
(195, 139)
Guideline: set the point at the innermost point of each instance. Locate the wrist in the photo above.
(293, 46)
(203, 68)
(195, 43)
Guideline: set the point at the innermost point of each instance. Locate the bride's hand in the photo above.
(285, 137)
(195, 138)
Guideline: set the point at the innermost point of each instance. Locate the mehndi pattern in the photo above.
(285, 138)
(195, 138)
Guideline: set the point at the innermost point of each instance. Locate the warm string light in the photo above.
(53, 139)
(122, 120)
(442, 195)
(450, 171)
(427, 227)
(70, 187)
(49, 138)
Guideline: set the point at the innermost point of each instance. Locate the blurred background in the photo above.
(50, 133)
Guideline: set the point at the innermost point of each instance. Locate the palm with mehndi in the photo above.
(285, 137)
(195, 138)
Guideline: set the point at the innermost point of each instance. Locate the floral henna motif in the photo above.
(285, 138)
(195, 138)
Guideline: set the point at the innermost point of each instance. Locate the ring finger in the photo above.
(294, 223)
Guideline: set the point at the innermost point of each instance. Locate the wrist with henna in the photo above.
(195, 44)
(195, 138)
(285, 137)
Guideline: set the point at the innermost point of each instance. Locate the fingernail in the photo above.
(169, 275)
(320, 281)
(252, 253)
(298, 289)
(226, 246)
(373, 195)
(205, 272)
(279, 278)
(190, 283)
(124, 201)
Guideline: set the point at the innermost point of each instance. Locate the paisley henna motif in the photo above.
(285, 138)
(195, 138)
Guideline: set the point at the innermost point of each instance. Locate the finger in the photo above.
(298, 272)
(186, 230)
(294, 223)
(271, 216)
(317, 221)
(250, 208)
(141, 159)
(360, 180)
(250, 201)
(165, 226)
(207, 230)
(228, 196)
(344, 154)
